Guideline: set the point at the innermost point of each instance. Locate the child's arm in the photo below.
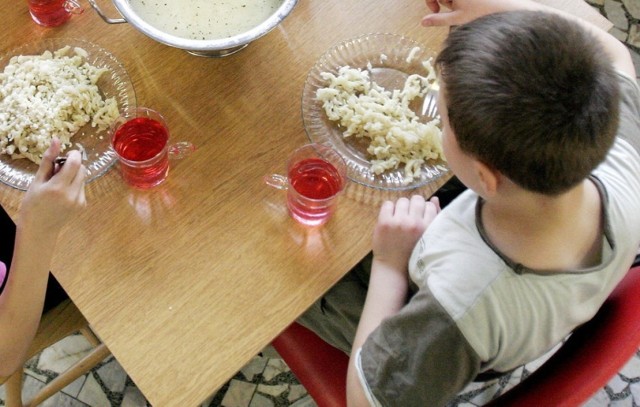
(463, 11)
(52, 199)
(399, 227)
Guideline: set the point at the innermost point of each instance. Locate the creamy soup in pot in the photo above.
(204, 19)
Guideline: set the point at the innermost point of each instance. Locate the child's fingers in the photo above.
(443, 19)
(402, 206)
(82, 199)
(72, 169)
(386, 211)
(433, 5)
(45, 170)
(417, 206)
(436, 201)
(79, 178)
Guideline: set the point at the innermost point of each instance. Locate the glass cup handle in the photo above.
(276, 181)
(181, 150)
(73, 7)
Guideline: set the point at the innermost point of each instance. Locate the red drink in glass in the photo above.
(49, 13)
(141, 145)
(315, 178)
(316, 174)
(314, 183)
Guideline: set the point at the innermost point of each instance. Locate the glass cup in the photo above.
(52, 13)
(316, 174)
(140, 139)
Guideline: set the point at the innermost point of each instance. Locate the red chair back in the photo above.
(320, 368)
(592, 355)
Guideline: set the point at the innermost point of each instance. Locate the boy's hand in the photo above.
(399, 227)
(463, 11)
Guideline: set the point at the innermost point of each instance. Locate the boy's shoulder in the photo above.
(629, 125)
(455, 231)
(453, 256)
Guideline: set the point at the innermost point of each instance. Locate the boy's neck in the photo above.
(542, 232)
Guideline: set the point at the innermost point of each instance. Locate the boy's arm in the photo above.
(463, 11)
(399, 227)
(386, 294)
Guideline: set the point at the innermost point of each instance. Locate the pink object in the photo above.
(3, 272)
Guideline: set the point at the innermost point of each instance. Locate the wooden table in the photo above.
(187, 282)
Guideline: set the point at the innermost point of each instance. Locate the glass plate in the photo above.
(19, 173)
(390, 73)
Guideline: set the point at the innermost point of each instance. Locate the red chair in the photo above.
(320, 368)
(595, 352)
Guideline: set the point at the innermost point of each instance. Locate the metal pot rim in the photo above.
(235, 41)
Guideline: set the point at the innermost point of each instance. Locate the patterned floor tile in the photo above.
(133, 398)
(306, 401)
(238, 394)
(258, 400)
(63, 354)
(93, 393)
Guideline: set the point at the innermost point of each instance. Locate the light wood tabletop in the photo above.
(186, 282)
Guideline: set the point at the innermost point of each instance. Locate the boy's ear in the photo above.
(488, 177)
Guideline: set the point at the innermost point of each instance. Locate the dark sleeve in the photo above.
(418, 357)
(629, 127)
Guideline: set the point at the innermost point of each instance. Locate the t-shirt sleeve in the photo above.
(417, 357)
(629, 128)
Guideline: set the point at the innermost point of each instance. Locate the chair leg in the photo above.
(90, 336)
(13, 388)
(97, 355)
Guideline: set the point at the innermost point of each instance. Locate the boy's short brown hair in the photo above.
(531, 95)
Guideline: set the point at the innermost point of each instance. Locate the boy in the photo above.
(541, 121)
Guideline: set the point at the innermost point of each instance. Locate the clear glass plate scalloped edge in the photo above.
(389, 72)
(19, 173)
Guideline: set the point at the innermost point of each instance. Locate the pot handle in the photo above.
(104, 17)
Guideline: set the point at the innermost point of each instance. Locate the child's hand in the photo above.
(54, 196)
(399, 227)
(463, 11)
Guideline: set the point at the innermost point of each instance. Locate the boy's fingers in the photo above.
(417, 207)
(386, 210)
(402, 206)
(442, 19)
(433, 5)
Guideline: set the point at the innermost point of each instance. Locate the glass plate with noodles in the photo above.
(388, 60)
(114, 83)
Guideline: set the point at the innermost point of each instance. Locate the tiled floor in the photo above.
(266, 381)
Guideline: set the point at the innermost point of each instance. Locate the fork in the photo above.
(430, 105)
(60, 160)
